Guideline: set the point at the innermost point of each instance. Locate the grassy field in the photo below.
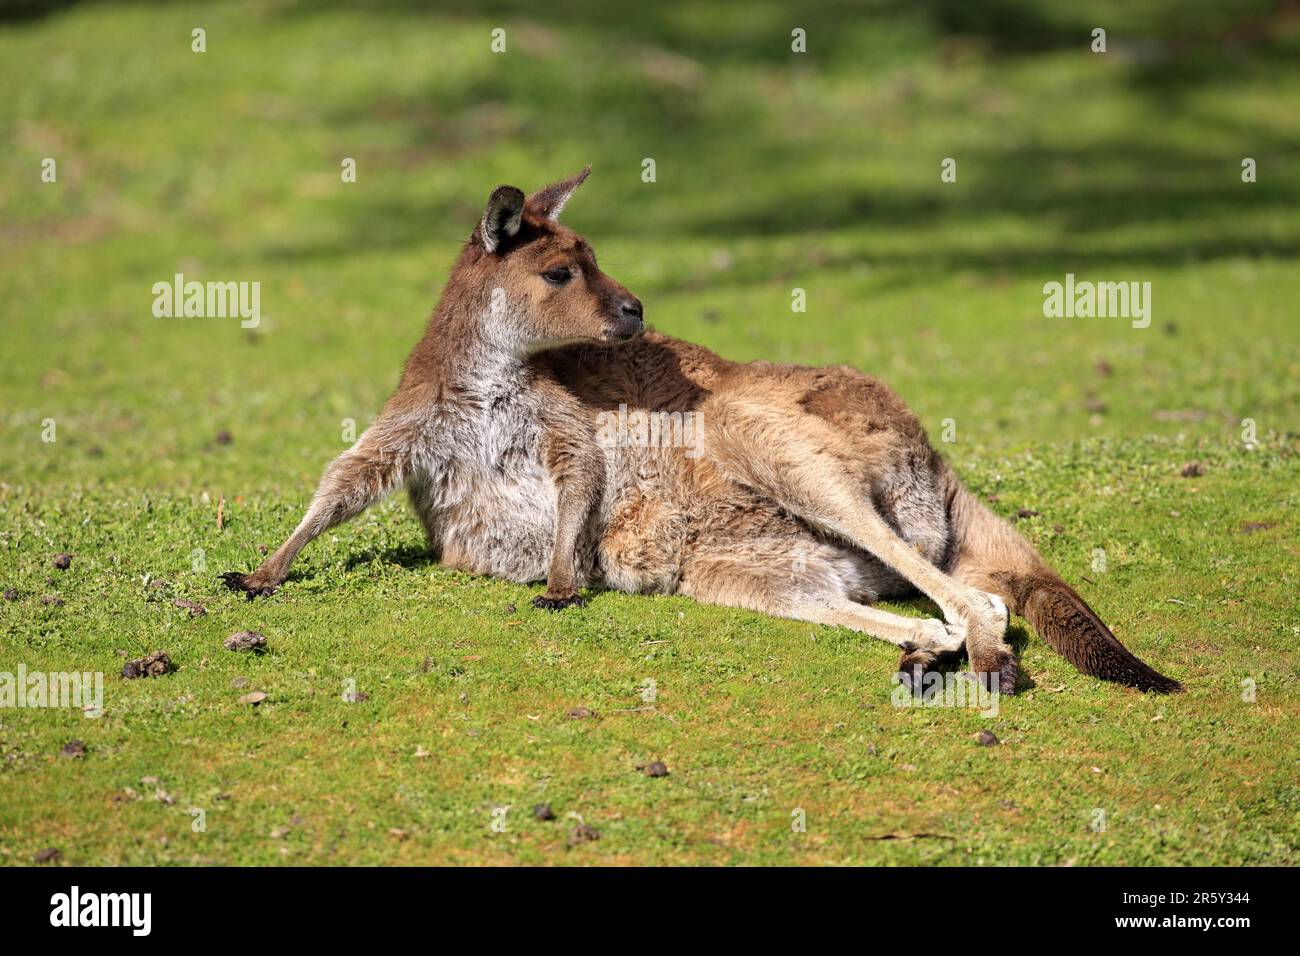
(182, 445)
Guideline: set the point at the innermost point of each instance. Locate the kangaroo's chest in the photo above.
(494, 503)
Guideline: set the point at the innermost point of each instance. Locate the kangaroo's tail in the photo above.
(990, 555)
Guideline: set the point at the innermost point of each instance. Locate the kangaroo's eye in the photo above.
(557, 276)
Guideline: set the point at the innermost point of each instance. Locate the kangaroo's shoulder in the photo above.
(651, 371)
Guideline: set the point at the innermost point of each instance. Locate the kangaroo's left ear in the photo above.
(549, 202)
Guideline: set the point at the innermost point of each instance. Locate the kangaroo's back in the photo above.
(653, 371)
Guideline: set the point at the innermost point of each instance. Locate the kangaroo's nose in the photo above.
(629, 323)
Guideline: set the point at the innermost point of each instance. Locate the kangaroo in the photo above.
(813, 491)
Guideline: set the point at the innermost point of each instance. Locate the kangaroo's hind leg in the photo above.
(363, 474)
(806, 580)
(829, 480)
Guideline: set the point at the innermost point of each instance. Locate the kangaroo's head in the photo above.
(544, 284)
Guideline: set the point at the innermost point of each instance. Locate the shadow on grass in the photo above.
(409, 556)
(1178, 203)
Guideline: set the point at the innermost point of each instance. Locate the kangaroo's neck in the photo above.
(468, 349)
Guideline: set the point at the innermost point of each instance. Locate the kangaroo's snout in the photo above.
(629, 322)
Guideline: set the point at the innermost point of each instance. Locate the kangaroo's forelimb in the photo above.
(576, 465)
(358, 478)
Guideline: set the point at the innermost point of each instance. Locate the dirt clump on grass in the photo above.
(153, 665)
(249, 641)
(583, 833)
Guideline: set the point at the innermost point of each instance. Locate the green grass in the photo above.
(774, 171)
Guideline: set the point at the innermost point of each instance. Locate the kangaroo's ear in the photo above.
(549, 202)
(505, 209)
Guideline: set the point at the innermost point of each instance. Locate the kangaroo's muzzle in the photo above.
(628, 323)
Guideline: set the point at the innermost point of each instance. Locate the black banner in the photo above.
(338, 905)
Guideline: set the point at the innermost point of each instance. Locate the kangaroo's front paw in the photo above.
(251, 584)
(558, 602)
(997, 670)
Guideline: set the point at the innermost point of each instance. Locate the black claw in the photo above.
(915, 664)
(239, 582)
(1003, 678)
(1009, 677)
(544, 603)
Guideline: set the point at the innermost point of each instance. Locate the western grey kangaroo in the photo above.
(813, 492)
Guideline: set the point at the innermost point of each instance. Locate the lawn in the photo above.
(417, 715)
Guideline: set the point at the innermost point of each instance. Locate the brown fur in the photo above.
(815, 493)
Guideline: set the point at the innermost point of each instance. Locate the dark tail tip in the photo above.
(1075, 631)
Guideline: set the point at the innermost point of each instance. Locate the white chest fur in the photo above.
(493, 502)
